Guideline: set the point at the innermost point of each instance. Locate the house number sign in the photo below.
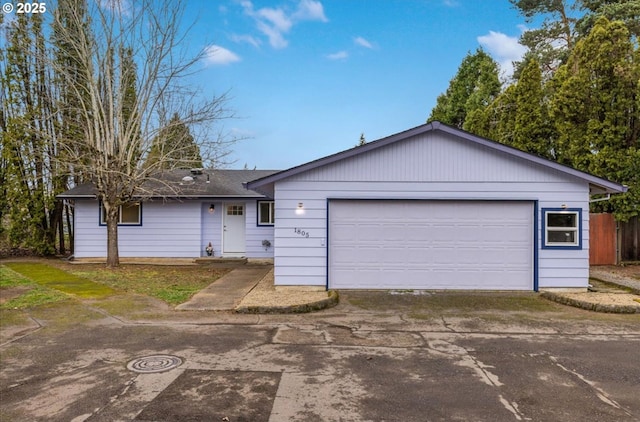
(301, 232)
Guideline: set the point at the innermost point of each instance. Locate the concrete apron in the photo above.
(225, 293)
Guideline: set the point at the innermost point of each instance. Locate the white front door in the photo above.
(233, 230)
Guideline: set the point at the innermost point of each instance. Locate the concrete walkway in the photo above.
(226, 292)
(610, 276)
(249, 289)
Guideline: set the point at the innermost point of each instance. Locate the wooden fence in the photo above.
(630, 240)
(611, 243)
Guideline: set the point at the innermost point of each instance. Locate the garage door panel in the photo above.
(431, 245)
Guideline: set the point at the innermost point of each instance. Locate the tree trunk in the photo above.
(68, 211)
(113, 259)
(60, 226)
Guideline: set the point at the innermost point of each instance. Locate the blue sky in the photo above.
(307, 77)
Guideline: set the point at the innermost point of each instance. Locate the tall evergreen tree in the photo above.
(27, 133)
(595, 110)
(532, 131)
(71, 93)
(174, 147)
(497, 121)
(4, 205)
(627, 11)
(551, 43)
(474, 87)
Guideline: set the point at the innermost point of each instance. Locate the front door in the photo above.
(233, 230)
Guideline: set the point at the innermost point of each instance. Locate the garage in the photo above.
(433, 207)
(419, 244)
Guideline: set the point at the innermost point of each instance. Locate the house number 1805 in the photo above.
(301, 232)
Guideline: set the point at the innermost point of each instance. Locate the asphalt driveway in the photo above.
(374, 357)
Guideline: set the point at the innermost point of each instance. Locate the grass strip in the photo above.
(54, 278)
(171, 284)
(29, 294)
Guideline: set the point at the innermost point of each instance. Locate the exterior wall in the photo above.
(168, 230)
(154, 238)
(441, 167)
(255, 234)
(211, 228)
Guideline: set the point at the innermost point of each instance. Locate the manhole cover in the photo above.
(153, 364)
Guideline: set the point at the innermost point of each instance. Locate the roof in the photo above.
(265, 184)
(209, 184)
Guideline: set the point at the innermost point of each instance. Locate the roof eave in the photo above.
(62, 196)
(337, 156)
(611, 187)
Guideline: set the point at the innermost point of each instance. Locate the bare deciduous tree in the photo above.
(120, 125)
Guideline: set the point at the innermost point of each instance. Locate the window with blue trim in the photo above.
(266, 213)
(129, 214)
(561, 228)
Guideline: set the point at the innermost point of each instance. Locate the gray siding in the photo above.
(443, 167)
(168, 230)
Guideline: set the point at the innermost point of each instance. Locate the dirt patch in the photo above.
(8, 293)
(627, 271)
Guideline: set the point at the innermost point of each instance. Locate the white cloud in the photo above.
(248, 39)
(276, 22)
(218, 56)
(504, 49)
(275, 18)
(310, 10)
(362, 42)
(276, 37)
(451, 3)
(340, 55)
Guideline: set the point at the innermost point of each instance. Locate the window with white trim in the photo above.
(561, 228)
(129, 214)
(266, 213)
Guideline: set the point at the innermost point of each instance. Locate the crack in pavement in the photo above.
(600, 393)
(464, 358)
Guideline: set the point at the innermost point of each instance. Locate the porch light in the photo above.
(300, 209)
(212, 208)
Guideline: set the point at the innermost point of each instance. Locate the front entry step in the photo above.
(209, 260)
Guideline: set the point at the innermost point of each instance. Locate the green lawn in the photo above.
(57, 279)
(41, 283)
(171, 284)
(28, 293)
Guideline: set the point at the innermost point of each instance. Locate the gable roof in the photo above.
(208, 184)
(265, 184)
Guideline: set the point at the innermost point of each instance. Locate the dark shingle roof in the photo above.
(171, 184)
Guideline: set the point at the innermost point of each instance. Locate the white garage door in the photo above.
(430, 245)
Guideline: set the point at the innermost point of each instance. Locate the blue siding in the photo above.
(211, 228)
(176, 229)
(431, 166)
(255, 234)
